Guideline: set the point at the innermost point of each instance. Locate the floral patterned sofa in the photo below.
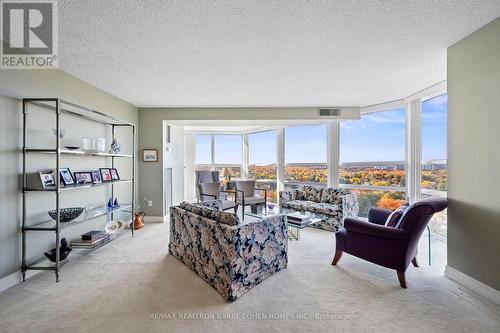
(231, 256)
(332, 203)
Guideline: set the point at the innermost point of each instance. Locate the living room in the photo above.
(251, 166)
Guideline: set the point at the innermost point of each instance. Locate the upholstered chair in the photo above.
(248, 195)
(203, 176)
(392, 247)
(212, 191)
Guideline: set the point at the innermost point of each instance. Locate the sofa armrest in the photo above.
(268, 245)
(349, 205)
(375, 230)
(378, 215)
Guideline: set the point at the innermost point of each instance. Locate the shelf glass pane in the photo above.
(75, 254)
(95, 213)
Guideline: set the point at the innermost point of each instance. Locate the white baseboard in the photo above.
(15, 278)
(155, 219)
(476, 286)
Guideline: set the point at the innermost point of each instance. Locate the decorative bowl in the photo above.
(66, 214)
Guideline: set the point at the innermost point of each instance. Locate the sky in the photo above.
(377, 136)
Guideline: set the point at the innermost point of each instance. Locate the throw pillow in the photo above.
(393, 219)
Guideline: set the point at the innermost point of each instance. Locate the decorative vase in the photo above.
(116, 147)
(138, 221)
(64, 251)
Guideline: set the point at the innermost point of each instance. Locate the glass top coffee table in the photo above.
(294, 226)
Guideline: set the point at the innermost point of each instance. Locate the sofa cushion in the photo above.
(395, 217)
(311, 206)
(332, 195)
(222, 217)
(309, 193)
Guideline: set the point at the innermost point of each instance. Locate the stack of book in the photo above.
(298, 218)
(91, 239)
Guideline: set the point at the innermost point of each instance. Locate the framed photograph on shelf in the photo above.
(96, 176)
(114, 174)
(47, 179)
(150, 155)
(83, 177)
(66, 176)
(105, 174)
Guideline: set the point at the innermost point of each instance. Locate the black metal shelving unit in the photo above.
(60, 106)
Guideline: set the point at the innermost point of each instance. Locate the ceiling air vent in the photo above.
(329, 112)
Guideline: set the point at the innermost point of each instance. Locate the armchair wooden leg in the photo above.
(338, 255)
(414, 261)
(402, 280)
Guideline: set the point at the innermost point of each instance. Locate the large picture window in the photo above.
(372, 159)
(262, 155)
(434, 155)
(305, 155)
(203, 152)
(262, 161)
(227, 153)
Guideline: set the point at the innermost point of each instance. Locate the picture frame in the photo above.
(105, 175)
(66, 176)
(96, 176)
(150, 155)
(114, 174)
(83, 177)
(47, 179)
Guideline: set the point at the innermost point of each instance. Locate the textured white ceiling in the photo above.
(264, 53)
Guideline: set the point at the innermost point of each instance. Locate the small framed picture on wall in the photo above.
(150, 155)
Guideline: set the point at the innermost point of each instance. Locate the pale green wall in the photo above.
(16, 84)
(474, 155)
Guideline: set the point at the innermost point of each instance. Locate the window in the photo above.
(262, 161)
(434, 155)
(262, 155)
(228, 149)
(372, 158)
(305, 155)
(203, 152)
(228, 153)
(203, 149)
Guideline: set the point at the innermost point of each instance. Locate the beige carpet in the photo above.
(132, 285)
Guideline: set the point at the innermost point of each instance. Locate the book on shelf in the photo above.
(94, 234)
(89, 243)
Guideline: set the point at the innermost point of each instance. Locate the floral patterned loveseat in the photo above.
(332, 203)
(231, 256)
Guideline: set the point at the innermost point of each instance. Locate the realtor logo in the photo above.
(29, 34)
